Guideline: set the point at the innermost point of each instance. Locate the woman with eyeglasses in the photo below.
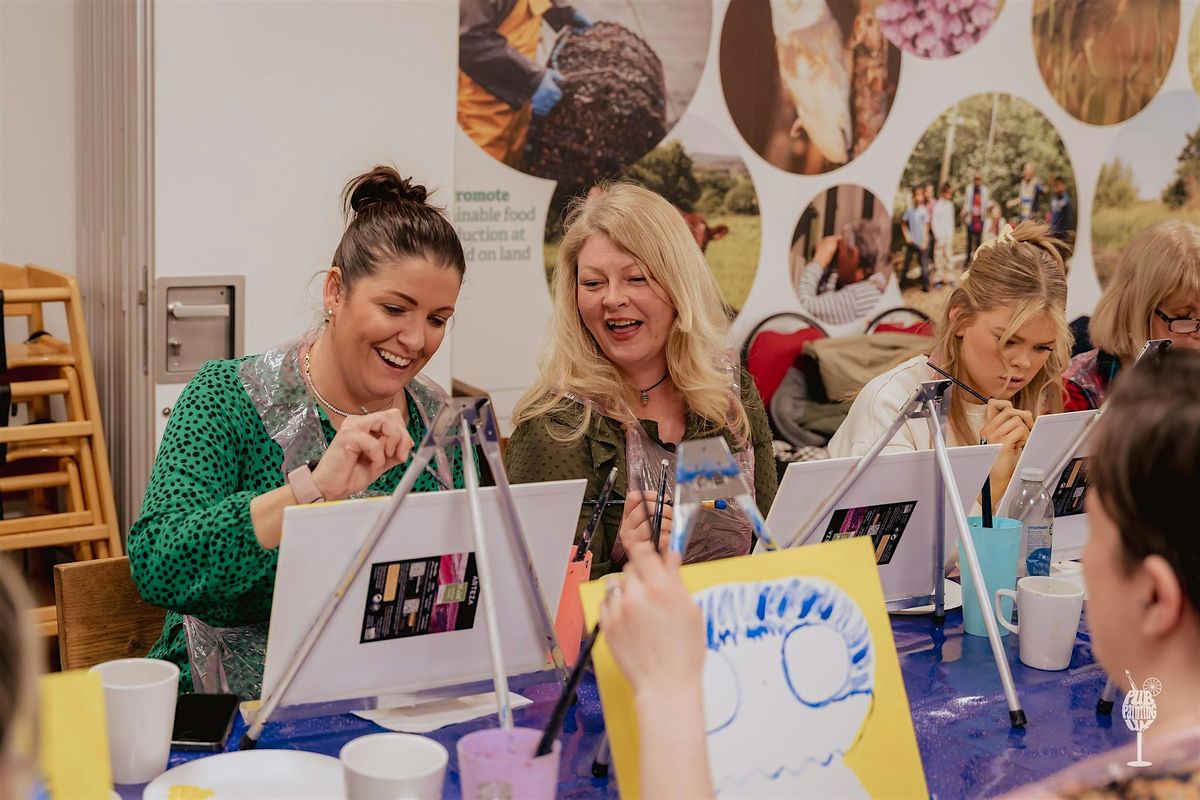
(331, 415)
(1154, 293)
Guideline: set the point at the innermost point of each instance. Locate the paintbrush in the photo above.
(985, 495)
(958, 383)
(559, 714)
(656, 524)
(597, 512)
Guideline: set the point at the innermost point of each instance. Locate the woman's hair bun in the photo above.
(381, 185)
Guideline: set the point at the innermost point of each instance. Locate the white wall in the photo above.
(37, 133)
(263, 111)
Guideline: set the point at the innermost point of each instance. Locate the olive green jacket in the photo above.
(533, 454)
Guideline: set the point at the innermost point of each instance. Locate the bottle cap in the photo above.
(1032, 474)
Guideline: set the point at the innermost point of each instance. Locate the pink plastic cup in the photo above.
(495, 764)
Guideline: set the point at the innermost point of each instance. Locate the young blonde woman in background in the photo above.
(1004, 333)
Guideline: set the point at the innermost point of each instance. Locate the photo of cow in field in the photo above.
(703, 232)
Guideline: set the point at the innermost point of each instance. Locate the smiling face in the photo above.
(1182, 305)
(388, 325)
(1001, 371)
(623, 308)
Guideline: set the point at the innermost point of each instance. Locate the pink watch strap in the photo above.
(300, 479)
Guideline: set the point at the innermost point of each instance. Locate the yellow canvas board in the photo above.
(803, 692)
(74, 736)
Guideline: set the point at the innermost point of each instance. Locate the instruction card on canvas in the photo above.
(802, 689)
(419, 596)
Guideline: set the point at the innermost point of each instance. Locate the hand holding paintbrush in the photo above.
(1006, 425)
(656, 523)
(637, 525)
(657, 636)
(601, 503)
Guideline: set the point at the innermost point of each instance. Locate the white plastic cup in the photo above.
(1048, 610)
(387, 766)
(139, 705)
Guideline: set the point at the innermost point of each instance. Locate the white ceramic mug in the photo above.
(388, 766)
(1048, 609)
(139, 705)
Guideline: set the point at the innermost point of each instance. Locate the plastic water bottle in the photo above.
(1031, 505)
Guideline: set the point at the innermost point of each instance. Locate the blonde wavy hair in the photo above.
(652, 231)
(1162, 262)
(1023, 269)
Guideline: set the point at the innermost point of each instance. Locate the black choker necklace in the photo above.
(646, 392)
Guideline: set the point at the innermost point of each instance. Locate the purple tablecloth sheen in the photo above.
(958, 709)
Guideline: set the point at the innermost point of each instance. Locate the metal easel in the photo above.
(462, 421)
(926, 403)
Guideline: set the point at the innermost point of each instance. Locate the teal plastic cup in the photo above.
(997, 548)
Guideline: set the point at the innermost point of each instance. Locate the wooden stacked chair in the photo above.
(55, 487)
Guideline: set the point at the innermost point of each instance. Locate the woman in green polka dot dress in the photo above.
(331, 416)
(636, 361)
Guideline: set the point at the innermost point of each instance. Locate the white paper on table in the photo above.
(426, 717)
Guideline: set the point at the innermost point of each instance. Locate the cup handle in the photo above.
(1000, 616)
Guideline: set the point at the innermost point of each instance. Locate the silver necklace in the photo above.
(321, 398)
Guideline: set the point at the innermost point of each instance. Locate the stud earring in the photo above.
(328, 314)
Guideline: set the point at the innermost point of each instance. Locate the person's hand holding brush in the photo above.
(1009, 426)
(637, 521)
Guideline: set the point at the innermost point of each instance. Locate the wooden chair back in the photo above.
(101, 615)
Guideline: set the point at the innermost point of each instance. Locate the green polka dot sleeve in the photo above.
(192, 549)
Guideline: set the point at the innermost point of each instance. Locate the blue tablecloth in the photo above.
(958, 710)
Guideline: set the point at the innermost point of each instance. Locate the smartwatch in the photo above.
(300, 479)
